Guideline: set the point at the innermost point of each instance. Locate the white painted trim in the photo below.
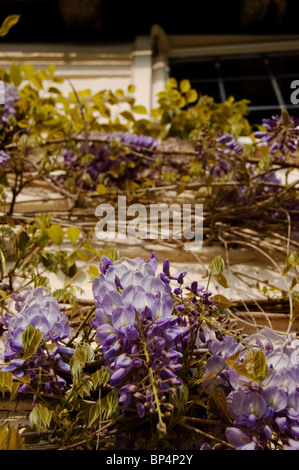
(142, 71)
(159, 77)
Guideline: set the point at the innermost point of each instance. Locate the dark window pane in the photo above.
(243, 67)
(284, 64)
(208, 88)
(259, 92)
(193, 69)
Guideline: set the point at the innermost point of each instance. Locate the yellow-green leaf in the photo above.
(3, 436)
(192, 96)
(222, 301)
(260, 367)
(8, 23)
(230, 361)
(221, 279)
(217, 264)
(51, 69)
(219, 398)
(94, 413)
(14, 439)
(73, 234)
(185, 86)
(15, 74)
(101, 189)
(100, 378)
(56, 234)
(171, 83)
(14, 391)
(31, 339)
(28, 70)
(93, 270)
(40, 417)
(5, 382)
(127, 115)
(139, 109)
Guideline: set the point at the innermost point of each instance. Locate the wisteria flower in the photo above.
(39, 309)
(281, 134)
(4, 157)
(138, 330)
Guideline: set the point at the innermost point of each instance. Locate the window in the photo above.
(264, 79)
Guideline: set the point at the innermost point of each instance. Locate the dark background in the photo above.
(104, 20)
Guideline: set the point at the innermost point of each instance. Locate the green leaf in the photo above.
(50, 260)
(6, 382)
(217, 264)
(56, 234)
(31, 339)
(109, 405)
(3, 436)
(8, 23)
(83, 353)
(241, 368)
(14, 439)
(291, 261)
(127, 115)
(23, 241)
(230, 361)
(260, 367)
(219, 398)
(221, 301)
(73, 233)
(14, 391)
(40, 417)
(93, 270)
(2, 260)
(100, 378)
(120, 93)
(101, 189)
(139, 109)
(51, 69)
(171, 83)
(180, 399)
(94, 413)
(192, 96)
(185, 86)
(28, 70)
(15, 74)
(221, 279)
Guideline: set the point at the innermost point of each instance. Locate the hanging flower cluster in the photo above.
(139, 141)
(281, 134)
(8, 109)
(139, 334)
(260, 380)
(4, 157)
(223, 158)
(36, 308)
(126, 164)
(218, 153)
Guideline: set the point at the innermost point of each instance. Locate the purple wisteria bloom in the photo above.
(137, 329)
(239, 439)
(281, 134)
(4, 157)
(39, 309)
(217, 153)
(105, 162)
(260, 409)
(11, 97)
